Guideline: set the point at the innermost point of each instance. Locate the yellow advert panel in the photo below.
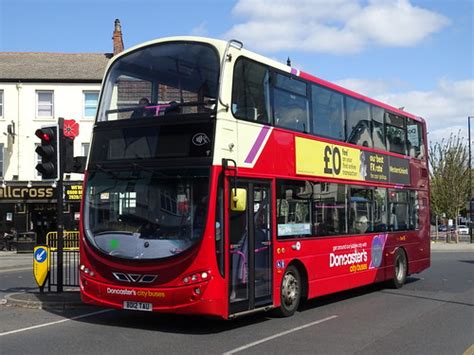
(326, 159)
(337, 161)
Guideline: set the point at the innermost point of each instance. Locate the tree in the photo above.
(450, 190)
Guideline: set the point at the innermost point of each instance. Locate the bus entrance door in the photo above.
(250, 248)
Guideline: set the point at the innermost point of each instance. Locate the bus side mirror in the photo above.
(238, 201)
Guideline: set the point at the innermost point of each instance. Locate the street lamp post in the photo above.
(470, 178)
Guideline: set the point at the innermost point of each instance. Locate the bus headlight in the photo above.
(196, 277)
(86, 270)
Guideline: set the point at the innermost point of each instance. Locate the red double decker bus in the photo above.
(221, 182)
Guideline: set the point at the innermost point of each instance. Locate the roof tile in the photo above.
(53, 66)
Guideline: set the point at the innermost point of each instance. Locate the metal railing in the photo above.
(70, 258)
(70, 269)
(449, 237)
(71, 240)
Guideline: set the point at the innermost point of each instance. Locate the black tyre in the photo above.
(400, 269)
(290, 292)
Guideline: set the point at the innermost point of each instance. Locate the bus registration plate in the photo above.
(137, 306)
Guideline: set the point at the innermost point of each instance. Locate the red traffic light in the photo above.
(45, 134)
(48, 150)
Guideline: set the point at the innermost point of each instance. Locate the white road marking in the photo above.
(53, 323)
(244, 347)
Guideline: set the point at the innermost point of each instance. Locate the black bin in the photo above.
(25, 242)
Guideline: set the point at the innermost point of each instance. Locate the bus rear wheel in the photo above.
(400, 269)
(290, 292)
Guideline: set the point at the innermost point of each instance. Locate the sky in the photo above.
(416, 54)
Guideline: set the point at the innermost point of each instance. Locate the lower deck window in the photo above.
(330, 211)
(306, 208)
(293, 208)
(361, 211)
(398, 210)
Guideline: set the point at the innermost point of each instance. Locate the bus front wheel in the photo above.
(290, 292)
(400, 269)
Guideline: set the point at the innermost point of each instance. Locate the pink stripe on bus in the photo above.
(256, 146)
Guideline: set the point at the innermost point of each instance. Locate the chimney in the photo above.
(117, 38)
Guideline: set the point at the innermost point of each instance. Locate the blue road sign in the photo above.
(40, 255)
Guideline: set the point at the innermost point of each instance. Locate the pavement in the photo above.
(10, 261)
(442, 246)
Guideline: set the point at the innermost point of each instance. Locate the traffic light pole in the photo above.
(59, 209)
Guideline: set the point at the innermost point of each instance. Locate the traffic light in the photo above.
(48, 150)
(67, 153)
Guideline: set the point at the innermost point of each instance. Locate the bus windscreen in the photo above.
(145, 214)
(175, 77)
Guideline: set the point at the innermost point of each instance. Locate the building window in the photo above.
(127, 202)
(85, 149)
(1, 159)
(91, 99)
(44, 104)
(1, 103)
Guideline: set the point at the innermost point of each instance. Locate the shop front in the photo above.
(29, 209)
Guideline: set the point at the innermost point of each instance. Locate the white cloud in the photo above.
(445, 108)
(200, 30)
(332, 26)
(396, 23)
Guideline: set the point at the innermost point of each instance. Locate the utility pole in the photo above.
(470, 178)
(59, 206)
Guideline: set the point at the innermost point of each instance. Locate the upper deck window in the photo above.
(358, 122)
(378, 132)
(328, 113)
(250, 91)
(174, 77)
(395, 133)
(416, 148)
(290, 104)
(266, 95)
